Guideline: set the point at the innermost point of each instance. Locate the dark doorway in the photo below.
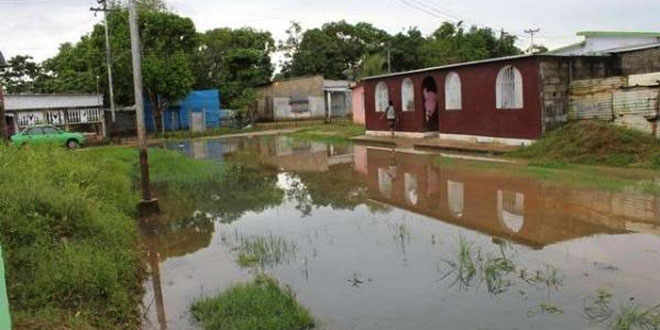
(430, 97)
(11, 128)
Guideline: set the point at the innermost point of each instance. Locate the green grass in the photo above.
(628, 316)
(594, 143)
(183, 135)
(338, 133)
(261, 304)
(264, 251)
(68, 231)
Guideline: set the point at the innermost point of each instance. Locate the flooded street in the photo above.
(372, 239)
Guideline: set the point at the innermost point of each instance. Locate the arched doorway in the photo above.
(430, 97)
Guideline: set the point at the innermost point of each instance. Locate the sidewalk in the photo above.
(435, 144)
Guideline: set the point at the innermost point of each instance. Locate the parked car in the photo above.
(48, 135)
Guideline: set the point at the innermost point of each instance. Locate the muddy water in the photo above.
(370, 239)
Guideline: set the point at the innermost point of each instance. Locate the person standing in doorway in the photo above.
(390, 114)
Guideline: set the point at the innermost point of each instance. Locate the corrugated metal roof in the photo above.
(619, 34)
(44, 102)
(496, 59)
(631, 48)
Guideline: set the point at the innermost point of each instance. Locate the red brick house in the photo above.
(510, 100)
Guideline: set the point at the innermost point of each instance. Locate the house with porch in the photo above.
(81, 113)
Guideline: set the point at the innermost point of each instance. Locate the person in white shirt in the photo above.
(391, 115)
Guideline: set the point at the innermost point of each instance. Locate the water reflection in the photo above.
(397, 241)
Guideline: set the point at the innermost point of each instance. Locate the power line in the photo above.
(531, 32)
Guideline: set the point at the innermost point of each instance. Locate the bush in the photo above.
(261, 304)
(69, 235)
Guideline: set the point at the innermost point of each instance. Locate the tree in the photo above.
(168, 41)
(372, 65)
(335, 50)
(21, 74)
(234, 61)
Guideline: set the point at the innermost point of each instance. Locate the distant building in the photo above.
(82, 113)
(311, 97)
(358, 103)
(600, 42)
(198, 111)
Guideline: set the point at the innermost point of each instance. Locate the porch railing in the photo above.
(60, 117)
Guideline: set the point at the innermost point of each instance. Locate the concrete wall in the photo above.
(642, 61)
(298, 98)
(358, 105)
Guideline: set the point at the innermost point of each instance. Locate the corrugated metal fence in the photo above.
(628, 101)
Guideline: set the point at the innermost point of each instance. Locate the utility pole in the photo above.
(108, 53)
(148, 205)
(531, 32)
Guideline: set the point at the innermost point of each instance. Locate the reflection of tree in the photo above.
(241, 190)
(338, 188)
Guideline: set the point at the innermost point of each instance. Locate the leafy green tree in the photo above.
(372, 65)
(21, 74)
(168, 41)
(335, 50)
(234, 61)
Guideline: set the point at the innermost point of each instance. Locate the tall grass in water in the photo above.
(70, 240)
(628, 316)
(261, 304)
(264, 251)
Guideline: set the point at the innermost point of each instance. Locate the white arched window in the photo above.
(382, 97)
(453, 97)
(509, 88)
(407, 95)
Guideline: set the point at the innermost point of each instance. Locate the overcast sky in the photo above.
(38, 27)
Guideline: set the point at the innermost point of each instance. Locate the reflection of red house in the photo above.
(515, 208)
(514, 99)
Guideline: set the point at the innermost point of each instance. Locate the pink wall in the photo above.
(358, 105)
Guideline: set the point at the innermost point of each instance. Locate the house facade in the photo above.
(83, 113)
(312, 97)
(511, 100)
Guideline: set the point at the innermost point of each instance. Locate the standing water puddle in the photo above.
(370, 239)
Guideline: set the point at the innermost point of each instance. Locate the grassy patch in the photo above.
(330, 133)
(184, 135)
(69, 235)
(261, 304)
(595, 143)
(264, 251)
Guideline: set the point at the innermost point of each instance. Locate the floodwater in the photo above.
(372, 239)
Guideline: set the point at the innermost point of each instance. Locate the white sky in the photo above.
(38, 27)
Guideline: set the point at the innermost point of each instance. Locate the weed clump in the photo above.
(594, 143)
(261, 304)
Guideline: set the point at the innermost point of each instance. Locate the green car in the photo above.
(48, 135)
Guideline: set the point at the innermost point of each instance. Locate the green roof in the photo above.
(619, 34)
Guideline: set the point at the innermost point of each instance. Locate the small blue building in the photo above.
(178, 116)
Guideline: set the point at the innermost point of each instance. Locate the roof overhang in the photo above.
(3, 63)
(618, 34)
(456, 65)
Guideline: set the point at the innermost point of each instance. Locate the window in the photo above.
(382, 97)
(34, 131)
(49, 130)
(453, 97)
(509, 89)
(407, 95)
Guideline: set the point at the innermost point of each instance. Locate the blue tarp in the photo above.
(177, 116)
